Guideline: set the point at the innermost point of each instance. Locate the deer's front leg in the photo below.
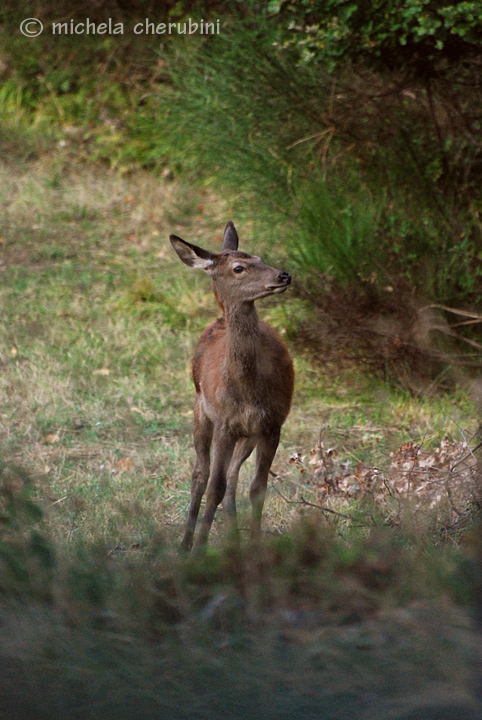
(223, 446)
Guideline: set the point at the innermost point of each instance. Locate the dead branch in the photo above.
(302, 501)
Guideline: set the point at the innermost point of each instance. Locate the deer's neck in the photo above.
(242, 336)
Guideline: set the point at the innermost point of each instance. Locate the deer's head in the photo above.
(236, 276)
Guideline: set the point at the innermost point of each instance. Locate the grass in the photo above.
(99, 322)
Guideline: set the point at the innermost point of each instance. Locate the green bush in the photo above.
(416, 35)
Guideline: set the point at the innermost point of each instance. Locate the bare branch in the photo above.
(318, 507)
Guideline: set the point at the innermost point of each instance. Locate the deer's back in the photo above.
(255, 401)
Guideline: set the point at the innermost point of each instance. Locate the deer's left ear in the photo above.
(192, 255)
(231, 240)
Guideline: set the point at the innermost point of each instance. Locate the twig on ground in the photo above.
(302, 501)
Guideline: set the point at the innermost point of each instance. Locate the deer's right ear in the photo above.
(192, 255)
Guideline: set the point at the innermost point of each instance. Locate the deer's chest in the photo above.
(242, 414)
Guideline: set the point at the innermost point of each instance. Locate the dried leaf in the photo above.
(124, 465)
(50, 439)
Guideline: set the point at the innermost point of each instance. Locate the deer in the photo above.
(243, 377)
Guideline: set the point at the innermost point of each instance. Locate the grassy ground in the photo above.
(98, 324)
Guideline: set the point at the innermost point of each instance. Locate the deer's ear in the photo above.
(192, 255)
(231, 240)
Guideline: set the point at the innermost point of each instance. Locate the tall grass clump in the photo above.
(239, 117)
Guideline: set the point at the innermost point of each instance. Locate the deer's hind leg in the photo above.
(203, 435)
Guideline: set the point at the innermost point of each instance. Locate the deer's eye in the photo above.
(238, 269)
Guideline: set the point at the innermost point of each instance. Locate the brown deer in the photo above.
(244, 379)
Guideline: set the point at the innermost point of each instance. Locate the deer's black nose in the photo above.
(285, 277)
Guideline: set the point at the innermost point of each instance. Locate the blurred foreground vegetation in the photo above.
(302, 625)
(345, 142)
